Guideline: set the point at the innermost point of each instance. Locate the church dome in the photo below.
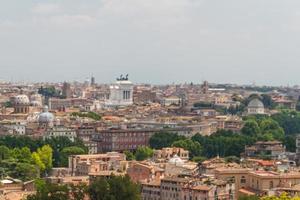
(36, 100)
(176, 160)
(255, 103)
(46, 116)
(36, 97)
(36, 103)
(21, 100)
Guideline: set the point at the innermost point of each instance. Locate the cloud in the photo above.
(46, 8)
(151, 38)
(72, 20)
(148, 7)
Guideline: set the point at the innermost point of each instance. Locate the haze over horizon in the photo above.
(155, 41)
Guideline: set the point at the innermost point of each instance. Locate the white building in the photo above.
(17, 127)
(121, 93)
(46, 118)
(256, 107)
(171, 100)
(60, 131)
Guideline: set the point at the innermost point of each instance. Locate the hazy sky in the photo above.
(155, 41)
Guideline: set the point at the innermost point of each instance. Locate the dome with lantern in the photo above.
(46, 117)
(36, 100)
(21, 99)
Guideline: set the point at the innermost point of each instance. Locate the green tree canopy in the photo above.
(67, 151)
(45, 153)
(4, 152)
(164, 139)
(114, 188)
(267, 101)
(48, 191)
(142, 153)
(223, 143)
(129, 155)
(251, 128)
(193, 147)
(271, 127)
(26, 171)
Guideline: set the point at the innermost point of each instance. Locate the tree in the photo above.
(290, 143)
(45, 154)
(142, 153)
(49, 191)
(250, 128)
(223, 143)
(49, 92)
(193, 147)
(78, 192)
(164, 139)
(67, 151)
(283, 196)
(252, 197)
(289, 121)
(91, 115)
(253, 96)
(270, 126)
(21, 141)
(16, 153)
(36, 160)
(25, 155)
(129, 155)
(58, 144)
(203, 105)
(26, 171)
(4, 153)
(267, 101)
(298, 106)
(114, 188)
(99, 189)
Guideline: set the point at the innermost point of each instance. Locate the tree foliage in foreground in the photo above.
(23, 164)
(112, 188)
(283, 196)
(116, 188)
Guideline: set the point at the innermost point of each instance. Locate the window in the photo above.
(271, 184)
(243, 180)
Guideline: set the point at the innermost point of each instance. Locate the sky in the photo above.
(154, 41)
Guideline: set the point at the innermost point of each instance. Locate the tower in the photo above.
(93, 82)
(66, 90)
(205, 87)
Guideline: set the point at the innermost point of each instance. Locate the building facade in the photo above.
(122, 139)
(85, 133)
(85, 164)
(60, 131)
(255, 107)
(121, 93)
